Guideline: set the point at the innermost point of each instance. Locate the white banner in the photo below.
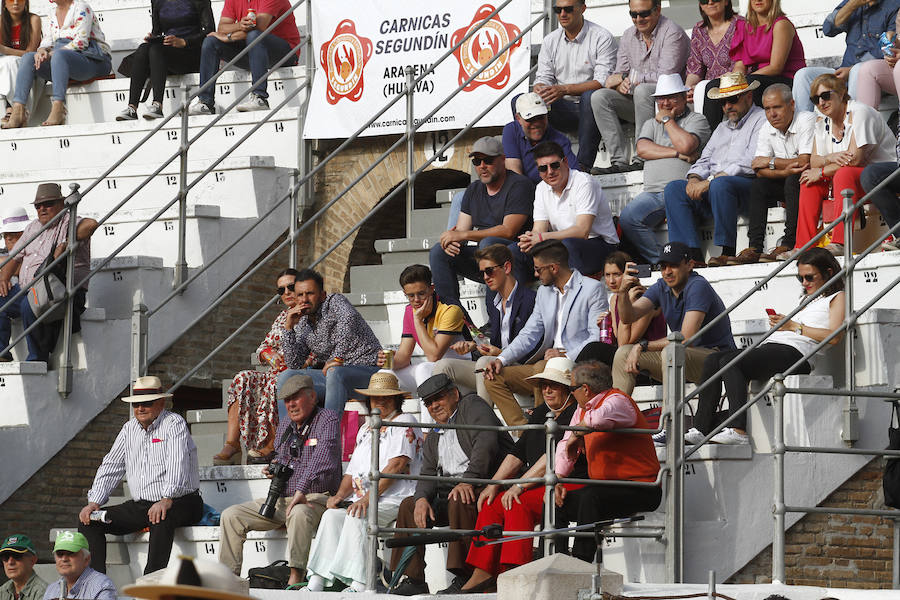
(362, 49)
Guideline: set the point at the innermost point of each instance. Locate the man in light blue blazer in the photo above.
(563, 322)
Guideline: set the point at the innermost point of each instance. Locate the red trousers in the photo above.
(812, 198)
(521, 517)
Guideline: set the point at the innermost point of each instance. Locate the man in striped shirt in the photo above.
(157, 455)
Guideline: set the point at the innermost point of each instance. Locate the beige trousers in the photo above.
(301, 525)
(652, 362)
(512, 380)
(462, 372)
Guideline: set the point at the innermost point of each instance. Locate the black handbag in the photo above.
(891, 478)
(271, 577)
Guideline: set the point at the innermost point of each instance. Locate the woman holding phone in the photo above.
(783, 348)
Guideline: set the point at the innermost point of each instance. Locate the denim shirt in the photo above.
(863, 29)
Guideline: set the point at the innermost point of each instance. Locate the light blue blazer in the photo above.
(583, 304)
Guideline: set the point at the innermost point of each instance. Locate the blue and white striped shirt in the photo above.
(159, 462)
(91, 585)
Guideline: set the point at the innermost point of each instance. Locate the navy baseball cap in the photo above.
(674, 253)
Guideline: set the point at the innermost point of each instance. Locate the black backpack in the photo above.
(272, 577)
(891, 480)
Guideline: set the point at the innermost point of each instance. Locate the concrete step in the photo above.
(427, 222)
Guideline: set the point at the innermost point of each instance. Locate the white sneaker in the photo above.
(201, 108)
(253, 102)
(659, 439)
(154, 111)
(129, 114)
(730, 436)
(693, 436)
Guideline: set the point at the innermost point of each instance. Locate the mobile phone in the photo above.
(155, 38)
(643, 271)
(771, 312)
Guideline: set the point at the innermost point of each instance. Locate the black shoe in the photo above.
(635, 166)
(609, 170)
(409, 587)
(455, 586)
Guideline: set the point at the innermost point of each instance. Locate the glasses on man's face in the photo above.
(734, 99)
(47, 204)
(808, 278)
(432, 399)
(705, 2)
(488, 271)
(287, 288)
(555, 165)
(477, 160)
(816, 98)
(11, 556)
(564, 9)
(643, 14)
(144, 404)
(540, 270)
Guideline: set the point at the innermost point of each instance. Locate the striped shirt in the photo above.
(91, 585)
(317, 464)
(37, 251)
(159, 462)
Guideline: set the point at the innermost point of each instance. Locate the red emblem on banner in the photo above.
(481, 47)
(344, 57)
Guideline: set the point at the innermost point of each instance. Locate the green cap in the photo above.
(71, 541)
(18, 543)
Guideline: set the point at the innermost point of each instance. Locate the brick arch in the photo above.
(360, 200)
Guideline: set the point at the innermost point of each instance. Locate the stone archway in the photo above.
(373, 187)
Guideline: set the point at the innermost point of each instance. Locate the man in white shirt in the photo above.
(157, 455)
(782, 153)
(574, 61)
(569, 206)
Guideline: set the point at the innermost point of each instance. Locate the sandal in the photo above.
(260, 457)
(18, 117)
(7, 115)
(229, 455)
(57, 114)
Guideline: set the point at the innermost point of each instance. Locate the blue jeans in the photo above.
(260, 58)
(572, 117)
(886, 198)
(42, 338)
(455, 209)
(586, 256)
(446, 268)
(337, 386)
(803, 81)
(727, 197)
(62, 66)
(638, 220)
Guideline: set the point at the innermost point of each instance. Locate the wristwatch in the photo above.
(799, 329)
(643, 344)
(229, 37)
(772, 163)
(665, 119)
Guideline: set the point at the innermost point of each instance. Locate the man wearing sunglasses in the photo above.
(718, 185)
(573, 63)
(28, 258)
(18, 557)
(653, 46)
(495, 208)
(156, 454)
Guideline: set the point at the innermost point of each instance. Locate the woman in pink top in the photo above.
(766, 47)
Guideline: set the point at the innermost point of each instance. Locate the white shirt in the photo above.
(864, 124)
(394, 442)
(452, 461)
(504, 315)
(590, 56)
(815, 314)
(560, 302)
(583, 195)
(795, 141)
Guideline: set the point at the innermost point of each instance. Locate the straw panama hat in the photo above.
(731, 84)
(145, 389)
(558, 369)
(383, 383)
(190, 578)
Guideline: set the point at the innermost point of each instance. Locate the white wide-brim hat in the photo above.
(669, 84)
(145, 389)
(558, 369)
(15, 220)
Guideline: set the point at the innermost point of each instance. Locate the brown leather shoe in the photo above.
(773, 255)
(747, 256)
(719, 261)
(697, 264)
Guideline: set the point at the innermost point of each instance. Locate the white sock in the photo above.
(316, 583)
(357, 586)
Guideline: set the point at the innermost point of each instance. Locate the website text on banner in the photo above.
(362, 50)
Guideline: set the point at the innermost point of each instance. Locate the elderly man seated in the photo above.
(307, 442)
(451, 453)
(77, 581)
(18, 557)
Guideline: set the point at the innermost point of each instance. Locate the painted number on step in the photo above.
(819, 33)
(209, 548)
(120, 96)
(170, 93)
(260, 546)
(690, 469)
(229, 131)
(438, 139)
(111, 184)
(362, 298)
(770, 230)
(768, 399)
(109, 230)
(171, 180)
(871, 276)
(746, 342)
(221, 487)
(116, 139)
(117, 275)
(278, 85)
(63, 142)
(172, 135)
(279, 127)
(220, 176)
(706, 235)
(13, 146)
(168, 226)
(99, 16)
(764, 286)
(225, 88)
(2, 381)
(471, 305)
(1, 190)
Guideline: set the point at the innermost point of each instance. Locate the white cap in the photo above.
(530, 105)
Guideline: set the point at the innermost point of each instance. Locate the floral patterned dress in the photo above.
(255, 393)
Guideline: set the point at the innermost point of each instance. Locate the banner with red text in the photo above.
(363, 48)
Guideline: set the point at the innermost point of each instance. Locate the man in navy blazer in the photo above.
(508, 312)
(563, 322)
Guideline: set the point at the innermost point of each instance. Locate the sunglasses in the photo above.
(488, 271)
(540, 270)
(734, 99)
(432, 399)
(555, 165)
(563, 9)
(144, 404)
(705, 2)
(45, 204)
(11, 556)
(487, 160)
(808, 278)
(288, 288)
(642, 14)
(826, 96)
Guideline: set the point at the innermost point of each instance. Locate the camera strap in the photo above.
(301, 437)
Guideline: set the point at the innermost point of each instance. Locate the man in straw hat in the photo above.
(718, 185)
(77, 581)
(48, 202)
(156, 454)
(668, 144)
(18, 557)
(308, 441)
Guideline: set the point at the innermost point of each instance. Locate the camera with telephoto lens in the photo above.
(280, 475)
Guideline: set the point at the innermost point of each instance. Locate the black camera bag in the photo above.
(272, 577)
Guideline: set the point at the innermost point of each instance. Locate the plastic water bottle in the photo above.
(887, 44)
(606, 330)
